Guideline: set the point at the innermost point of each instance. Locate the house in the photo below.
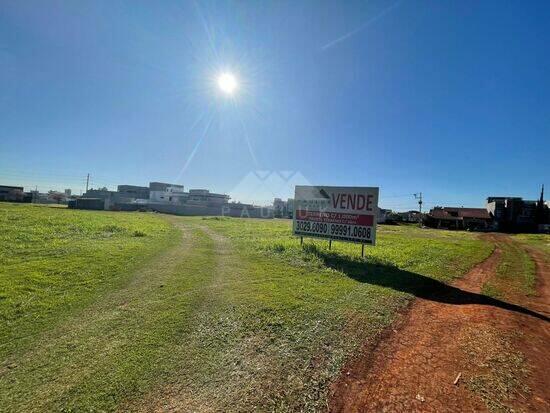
(458, 218)
(280, 208)
(411, 216)
(166, 193)
(205, 197)
(166, 198)
(133, 191)
(97, 204)
(383, 215)
(514, 214)
(408, 216)
(11, 193)
(290, 207)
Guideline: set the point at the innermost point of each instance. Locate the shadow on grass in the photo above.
(385, 274)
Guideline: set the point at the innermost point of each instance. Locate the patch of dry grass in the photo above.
(499, 370)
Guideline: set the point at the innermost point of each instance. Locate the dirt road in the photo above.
(416, 363)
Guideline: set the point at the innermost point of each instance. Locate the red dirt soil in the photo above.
(414, 365)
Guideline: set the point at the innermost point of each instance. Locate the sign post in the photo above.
(336, 213)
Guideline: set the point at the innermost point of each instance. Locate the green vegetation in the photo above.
(538, 241)
(515, 275)
(236, 316)
(56, 261)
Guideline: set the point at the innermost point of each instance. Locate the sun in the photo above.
(227, 83)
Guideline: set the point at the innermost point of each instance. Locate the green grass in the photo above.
(538, 241)
(440, 254)
(56, 261)
(301, 312)
(236, 316)
(515, 275)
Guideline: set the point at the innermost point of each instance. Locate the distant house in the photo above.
(133, 191)
(382, 215)
(166, 193)
(514, 214)
(97, 204)
(280, 208)
(11, 193)
(409, 216)
(205, 197)
(166, 198)
(290, 207)
(412, 216)
(458, 218)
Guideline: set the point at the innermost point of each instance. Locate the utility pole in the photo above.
(419, 197)
(87, 181)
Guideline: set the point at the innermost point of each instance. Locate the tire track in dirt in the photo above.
(536, 341)
(415, 364)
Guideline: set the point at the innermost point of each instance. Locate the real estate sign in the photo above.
(336, 212)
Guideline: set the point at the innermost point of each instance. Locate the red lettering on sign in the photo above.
(335, 201)
(360, 201)
(352, 201)
(369, 202)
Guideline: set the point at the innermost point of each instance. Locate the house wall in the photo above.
(203, 210)
(167, 196)
(133, 191)
(11, 193)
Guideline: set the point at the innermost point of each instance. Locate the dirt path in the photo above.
(180, 395)
(414, 366)
(536, 342)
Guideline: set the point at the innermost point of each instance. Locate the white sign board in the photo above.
(336, 212)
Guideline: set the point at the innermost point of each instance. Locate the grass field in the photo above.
(133, 311)
(56, 261)
(538, 241)
(515, 274)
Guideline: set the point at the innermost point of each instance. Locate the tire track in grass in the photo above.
(207, 380)
(113, 349)
(246, 355)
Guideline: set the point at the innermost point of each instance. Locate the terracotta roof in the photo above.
(441, 214)
(451, 213)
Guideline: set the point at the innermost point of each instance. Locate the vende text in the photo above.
(356, 202)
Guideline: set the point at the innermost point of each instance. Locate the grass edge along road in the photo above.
(272, 331)
(496, 349)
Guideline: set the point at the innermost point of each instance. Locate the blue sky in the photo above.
(448, 98)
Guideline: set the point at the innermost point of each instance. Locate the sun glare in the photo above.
(227, 83)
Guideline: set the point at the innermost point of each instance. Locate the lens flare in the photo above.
(227, 83)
